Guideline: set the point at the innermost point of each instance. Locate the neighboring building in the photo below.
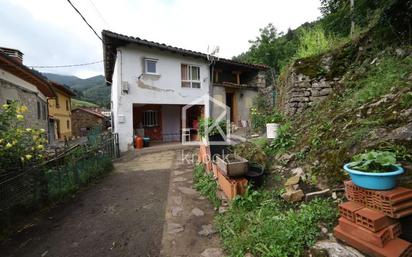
(60, 112)
(83, 120)
(28, 87)
(152, 82)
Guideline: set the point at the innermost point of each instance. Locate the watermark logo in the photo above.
(217, 131)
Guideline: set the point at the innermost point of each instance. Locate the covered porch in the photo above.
(163, 123)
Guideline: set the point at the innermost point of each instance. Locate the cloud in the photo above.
(49, 32)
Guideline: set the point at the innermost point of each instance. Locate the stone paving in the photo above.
(188, 229)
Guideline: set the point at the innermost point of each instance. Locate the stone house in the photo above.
(28, 87)
(153, 84)
(83, 120)
(60, 112)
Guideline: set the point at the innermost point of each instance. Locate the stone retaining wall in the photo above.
(302, 92)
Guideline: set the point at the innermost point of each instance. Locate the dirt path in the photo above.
(122, 215)
(128, 213)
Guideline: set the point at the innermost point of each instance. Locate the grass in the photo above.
(80, 103)
(313, 41)
(387, 73)
(206, 184)
(261, 223)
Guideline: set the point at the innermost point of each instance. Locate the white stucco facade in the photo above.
(131, 85)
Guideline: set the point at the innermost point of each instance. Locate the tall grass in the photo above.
(313, 41)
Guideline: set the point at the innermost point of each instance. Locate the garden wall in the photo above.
(302, 92)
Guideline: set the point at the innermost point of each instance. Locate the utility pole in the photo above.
(352, 17)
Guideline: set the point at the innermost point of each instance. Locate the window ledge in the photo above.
(151, 74)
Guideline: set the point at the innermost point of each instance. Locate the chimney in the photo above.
(13, 53)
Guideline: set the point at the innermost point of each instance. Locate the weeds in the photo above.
(284, 140)
(263, 224)
(206, 184)
(387, 73)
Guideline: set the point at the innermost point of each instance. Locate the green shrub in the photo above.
(263, 224)
(312, 41)
(20, 145)
(211, 126)
(284, 140)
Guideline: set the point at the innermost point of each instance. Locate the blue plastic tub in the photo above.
(374, 181)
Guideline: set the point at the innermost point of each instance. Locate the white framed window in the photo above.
(190, 76)
(150, 118)
(151, 66)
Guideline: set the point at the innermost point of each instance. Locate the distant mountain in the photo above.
(92, 89)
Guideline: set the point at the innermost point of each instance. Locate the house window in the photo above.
(38, 110)
(150, 66)
(150, 118)
(57, 102)
(68, 124)
(190, 76)
(67, 105)
(44, 112)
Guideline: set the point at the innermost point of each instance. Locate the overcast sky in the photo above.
(50, 32)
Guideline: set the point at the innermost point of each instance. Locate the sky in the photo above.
(50, 32)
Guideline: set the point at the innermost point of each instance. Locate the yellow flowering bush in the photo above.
(19, 146)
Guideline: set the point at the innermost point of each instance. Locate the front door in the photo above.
(230, 102)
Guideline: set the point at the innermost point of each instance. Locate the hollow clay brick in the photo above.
(394, 248)
(379, 238)
(231, 186)
(372, 220)
(348, 209)
(396, 203)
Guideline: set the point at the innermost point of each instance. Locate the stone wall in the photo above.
(83, 122)
(301, 92)
(11, 92)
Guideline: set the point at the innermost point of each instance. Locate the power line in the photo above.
(84, 19)
(62, 66)
(99, 13)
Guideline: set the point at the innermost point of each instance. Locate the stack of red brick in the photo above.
(370, 220)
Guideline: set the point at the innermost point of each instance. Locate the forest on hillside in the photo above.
(278, 49)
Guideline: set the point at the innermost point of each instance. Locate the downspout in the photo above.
(212, 68)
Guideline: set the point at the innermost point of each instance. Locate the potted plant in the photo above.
(376, 170)
(209, 131)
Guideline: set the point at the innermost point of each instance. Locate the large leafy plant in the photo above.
(374, 161)
(210, 126)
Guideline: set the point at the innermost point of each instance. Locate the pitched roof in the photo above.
(91, 112)
(111, 41)
(31, 76)
(65, 90)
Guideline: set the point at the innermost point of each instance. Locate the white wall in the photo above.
(244, 103)
(149, 89)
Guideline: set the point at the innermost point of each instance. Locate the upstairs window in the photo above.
(67, 105)
(151, 66)
(150, 118)
(190, 76)
(57, 102)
